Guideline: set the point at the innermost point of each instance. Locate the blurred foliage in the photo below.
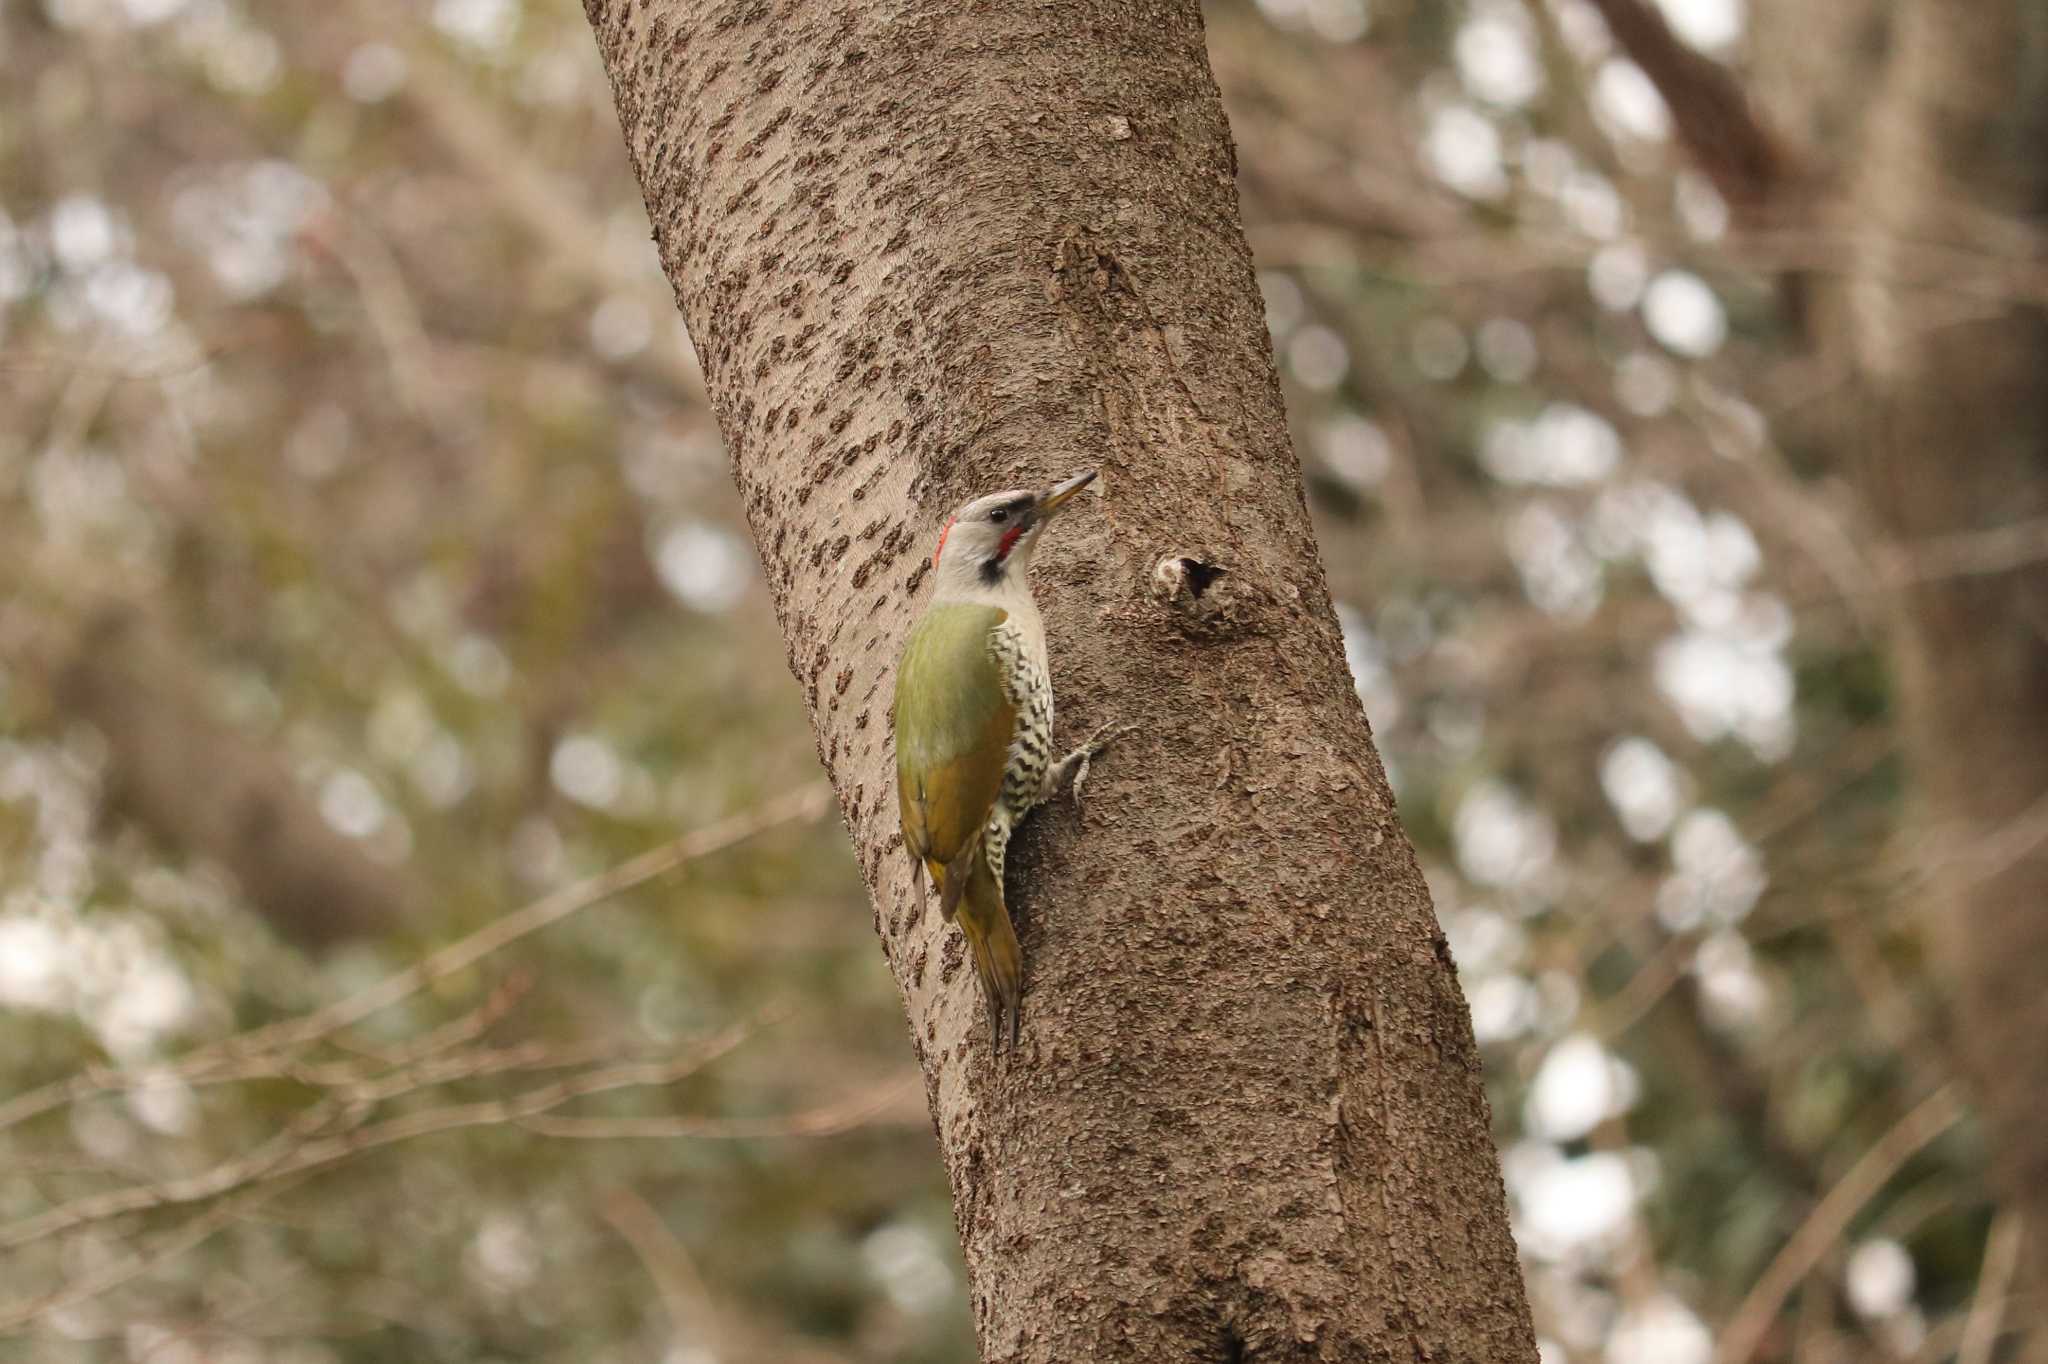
(333, 342)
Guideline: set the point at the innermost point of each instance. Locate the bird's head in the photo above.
(989, 541)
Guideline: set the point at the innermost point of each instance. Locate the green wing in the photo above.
(954, 721)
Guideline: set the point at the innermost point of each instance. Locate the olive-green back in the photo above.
(954, 722)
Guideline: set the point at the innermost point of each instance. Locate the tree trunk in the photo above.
(933, 250)
(1955, 392)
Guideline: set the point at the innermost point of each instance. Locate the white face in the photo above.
(989, 538)
(985, 548)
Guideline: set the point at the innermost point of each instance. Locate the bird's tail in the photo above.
(998, 959)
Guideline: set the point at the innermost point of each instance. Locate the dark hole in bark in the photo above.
(1233, 1346)
(1200, 575)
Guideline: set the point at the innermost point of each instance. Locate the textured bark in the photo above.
(1955, 442)
(205, 790)
(928, 250)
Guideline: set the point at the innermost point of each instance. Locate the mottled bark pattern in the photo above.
(1954, 440)
(928, 250)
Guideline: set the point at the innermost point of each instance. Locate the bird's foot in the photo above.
(1077, 761)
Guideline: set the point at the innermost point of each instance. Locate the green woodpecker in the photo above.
(974, 727)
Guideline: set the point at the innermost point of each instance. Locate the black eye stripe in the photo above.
(1015, 507)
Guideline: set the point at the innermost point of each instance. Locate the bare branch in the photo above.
(828, 1120)
(692, 1312)
(312, 1142)
(805, 803)
(182, 1240)
(668, 1263)
(261, 1053)
(1994, 1281)
(476, 134)
(1745, 1329)
(1973, 553)
(1747, 162)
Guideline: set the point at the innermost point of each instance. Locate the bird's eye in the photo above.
(999, 515)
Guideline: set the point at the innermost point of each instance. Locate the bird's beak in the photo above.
(1057, 498)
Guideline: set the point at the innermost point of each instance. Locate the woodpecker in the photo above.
(974, 727)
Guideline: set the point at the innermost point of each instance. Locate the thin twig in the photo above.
(361, 251)
(504, 165)
(1972, 553)
(269, 1159)
(1625, 1008)
(1830, 1217)
(260, 1047)
(1968, 861)
(183, 1240)
(828, 1120)
(1994, 1283)
(668, 1262)
(289, 1153)
(454, 1033)
(804, 803)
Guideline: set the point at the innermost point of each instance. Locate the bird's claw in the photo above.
(1101, 739)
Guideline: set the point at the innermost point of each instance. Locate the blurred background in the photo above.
(372, 574)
